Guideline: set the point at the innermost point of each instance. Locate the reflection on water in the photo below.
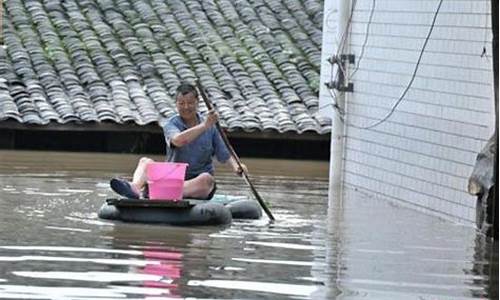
(53, 246)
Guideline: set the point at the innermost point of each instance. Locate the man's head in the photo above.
(186, 101)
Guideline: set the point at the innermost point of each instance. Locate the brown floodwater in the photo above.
(53, 245)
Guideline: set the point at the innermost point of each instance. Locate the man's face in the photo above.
(187, 105)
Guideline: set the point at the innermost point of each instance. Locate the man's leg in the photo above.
(132, 189)
(139, 178)
(199, 187)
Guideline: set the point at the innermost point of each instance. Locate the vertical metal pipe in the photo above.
(337, 134)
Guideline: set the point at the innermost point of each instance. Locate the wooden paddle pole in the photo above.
(233, 153)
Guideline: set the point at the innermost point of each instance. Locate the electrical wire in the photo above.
(340, 110)
(342, 41)
(370, 18)
(331, 91)
(407, 88)
(343, 38)
(339, 48)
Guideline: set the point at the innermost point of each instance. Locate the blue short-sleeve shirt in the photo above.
(199, 153)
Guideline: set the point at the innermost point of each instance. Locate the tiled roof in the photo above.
(121, 61)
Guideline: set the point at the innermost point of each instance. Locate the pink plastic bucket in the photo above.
(166, 180)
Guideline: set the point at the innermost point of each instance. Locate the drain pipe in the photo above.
(337, 133)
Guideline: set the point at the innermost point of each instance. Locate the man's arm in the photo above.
(236, 168)
(187, 136)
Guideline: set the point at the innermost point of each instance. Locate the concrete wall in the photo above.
(424, 153)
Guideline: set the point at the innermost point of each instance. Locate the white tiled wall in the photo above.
(424, 153)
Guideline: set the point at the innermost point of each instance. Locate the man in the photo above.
(190, 139)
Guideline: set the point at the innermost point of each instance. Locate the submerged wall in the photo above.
(423, 153)
(150, 140)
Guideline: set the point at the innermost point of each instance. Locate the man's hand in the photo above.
(211, 119)
(240, 170)
(187, 136)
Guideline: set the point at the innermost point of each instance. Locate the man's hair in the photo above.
(186, 88)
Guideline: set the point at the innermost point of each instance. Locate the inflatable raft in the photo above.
(221, 209)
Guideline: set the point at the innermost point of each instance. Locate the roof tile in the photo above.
(121, 61)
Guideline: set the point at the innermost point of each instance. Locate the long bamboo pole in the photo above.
(233, 153)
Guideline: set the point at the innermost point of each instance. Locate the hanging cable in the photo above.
(343, 38)
(400, 99)
(340, 110)
(334, 59)
(330, 89)
(343, 43)
(370, 18)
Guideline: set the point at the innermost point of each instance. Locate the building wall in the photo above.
(424, 153)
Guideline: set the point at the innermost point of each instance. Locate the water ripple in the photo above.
(269, 287)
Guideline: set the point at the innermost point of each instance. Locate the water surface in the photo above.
(53, 246)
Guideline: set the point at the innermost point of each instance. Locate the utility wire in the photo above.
(400, 99)
(343, 38)
(366, 39)
(341, 46)
(330, 89)
(340, 110)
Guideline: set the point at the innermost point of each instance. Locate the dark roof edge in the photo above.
(155, 128)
